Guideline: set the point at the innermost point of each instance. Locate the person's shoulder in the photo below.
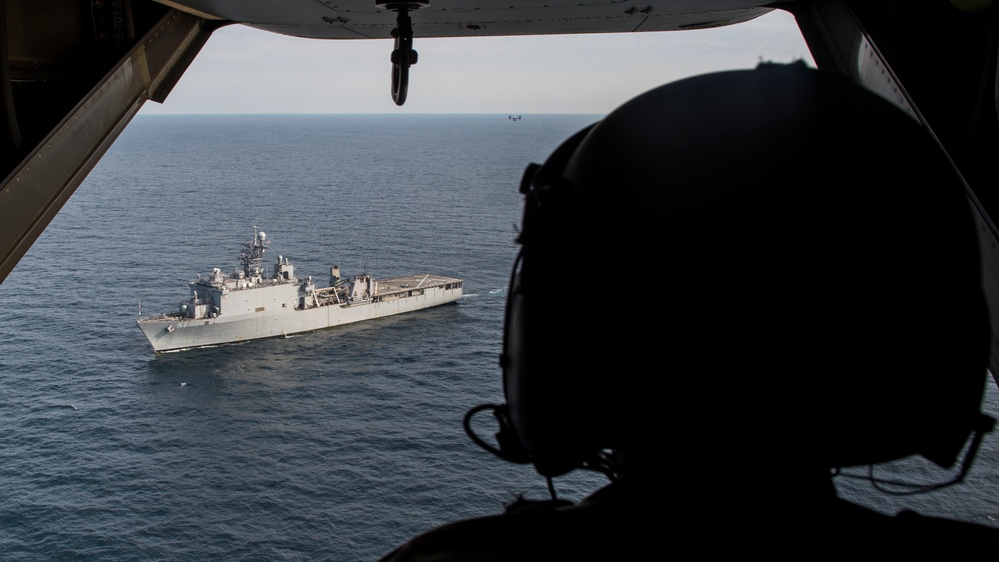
(907, 533)
(526, 530)
(940, 531)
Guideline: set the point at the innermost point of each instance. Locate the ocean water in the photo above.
(336, 445)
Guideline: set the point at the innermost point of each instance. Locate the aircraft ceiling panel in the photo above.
(363, 19)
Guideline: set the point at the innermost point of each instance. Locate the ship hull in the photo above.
(176, 333)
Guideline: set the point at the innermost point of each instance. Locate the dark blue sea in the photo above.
(336, 445)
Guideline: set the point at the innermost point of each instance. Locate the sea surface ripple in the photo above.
(336, 445)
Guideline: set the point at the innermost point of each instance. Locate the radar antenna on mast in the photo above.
(252, 256)
(403, 56)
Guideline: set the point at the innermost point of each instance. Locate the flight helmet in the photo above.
(770, 265)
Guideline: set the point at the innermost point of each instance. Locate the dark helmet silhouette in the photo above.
(770, 265)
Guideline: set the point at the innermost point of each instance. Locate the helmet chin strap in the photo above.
(985, 425)
(510, 448)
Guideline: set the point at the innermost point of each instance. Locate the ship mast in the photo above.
(252, 256)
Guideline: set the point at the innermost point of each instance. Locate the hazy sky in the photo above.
(243, 70)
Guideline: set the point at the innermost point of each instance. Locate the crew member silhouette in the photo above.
(729, 288)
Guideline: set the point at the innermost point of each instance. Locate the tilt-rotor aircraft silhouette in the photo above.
(828, 235)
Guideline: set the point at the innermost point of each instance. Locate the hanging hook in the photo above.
(403, 55)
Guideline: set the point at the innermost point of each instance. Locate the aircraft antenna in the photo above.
(403, 55)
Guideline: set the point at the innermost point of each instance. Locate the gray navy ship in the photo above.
(247, 305)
